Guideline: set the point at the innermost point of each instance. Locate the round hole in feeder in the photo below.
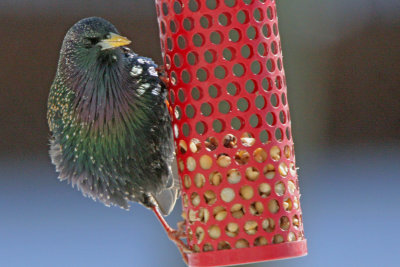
(192, 58)
(282, 117)
(280, 188)
(242, 157)
(251, 33)
(275, 153)
(256, 208)
(273, 206)
(228, 53)
(214, 231)
(250, 86)
(266, 30)
(172, 26)
(195, 199)
(187, 182)
(207, 247)
(283, 169)
(264, 190)
(211, 143)
(247, 139)
(264, 137)
(201, 128)
(278, 79)
(232, 89)
(296, 222)
(284, 223)
(267, 84)
(288, 135)
(218, 125)
(283, 97)
(224, 245)
(250, 227)
(198, 40)
(195, 145)
(224, 19)
(274, 48)
(174, 77)
(206, 109)
(181, 95)
(237, 123)
(234, 176)
(212, 4)
(187, 24)
(190, 111)
(286, 151)
(287, 204)
(186, 129)
(181, 165)
(215, 178)
(247, 2)
(199, 234)
(210, 55)
(275, 29)
(252, 173)
(210, 197)
(178, 112)
(270, 65)
(181, 42)
(182, 146)
(246, 192)
(238, 70)
(216, 37)
(177, 7)
(206, 162)
(230, 3)
(234, 35)
(260, 241)
(229, 141)
(237, 211)
(291, 237)
(246, 51)
(196, 248)
(271, 120)
(268, 225)
(194, 5)
(255, 120)
(260, 155)
(242, 17)
(185, 76)
(196, 95)
(269, 171)
(270, 13)
(190, 164)
(214, 91)
(262, 49)
(232, 229)
(242, 243)
(224, 107)
(227, 194)
(204, 215)
(277, 239)
(242, 104)
(292, 169)
(260, 102)
(220, 72)
(255, 67)
(258, 14)
(291, 187)
(223, 160)
(220, 213)
(202, 74)
(205, 21)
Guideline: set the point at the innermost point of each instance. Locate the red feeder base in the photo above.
(249, 255)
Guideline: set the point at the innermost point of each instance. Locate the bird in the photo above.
(108, 114)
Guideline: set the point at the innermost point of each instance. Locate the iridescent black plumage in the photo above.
(111, 130)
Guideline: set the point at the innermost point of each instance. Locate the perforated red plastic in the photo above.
(232, 130)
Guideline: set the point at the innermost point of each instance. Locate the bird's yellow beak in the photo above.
(113, 41)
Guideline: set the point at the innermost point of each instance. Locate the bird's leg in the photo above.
(174, 235)
(162, 74)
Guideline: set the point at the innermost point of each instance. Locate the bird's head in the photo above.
(91, 42)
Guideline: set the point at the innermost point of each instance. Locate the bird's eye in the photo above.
(108, 36)
(91, 41)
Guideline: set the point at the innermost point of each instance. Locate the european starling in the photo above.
(111, 129)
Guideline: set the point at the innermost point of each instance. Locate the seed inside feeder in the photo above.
(250, 227)
(207, 247)
(182, 146)
(277, 239)
(181, 165)
(223, 245)
(211, 143)
(232, 229)
(247, 192)
(242, 243)
(223, 160)
(252, 173)
(283, 169)
(227, 194)
(186, 181)
(237, 211)
(210, 197)
(200, 234)
(199, 180)
(284, 223)
(214, 231)
(229, 141)
(220, 213)
(296, 222)
(192, 216)
(195, 145)
(215, 178)
(260, 241)
(264, 190)
(191, 163)
(268, 225)
(292, 169)
(296, 203)
(196, 248)
(273, 206)
(275, 153)
(204, 215)
(291, 187)
(190, 234)
(247, 139)
(269, 171)
(280, 188)
(256, 208)
(234, 176)
(260, 155)
(195, 198)
(242, 157)
(291, 237)
(205, 162)
(286, 151)
(287, 204)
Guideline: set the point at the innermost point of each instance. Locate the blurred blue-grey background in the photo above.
(342, 66)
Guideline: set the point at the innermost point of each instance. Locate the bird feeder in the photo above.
(232, 129)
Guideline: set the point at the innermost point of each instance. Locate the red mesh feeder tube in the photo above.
(232, 129)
